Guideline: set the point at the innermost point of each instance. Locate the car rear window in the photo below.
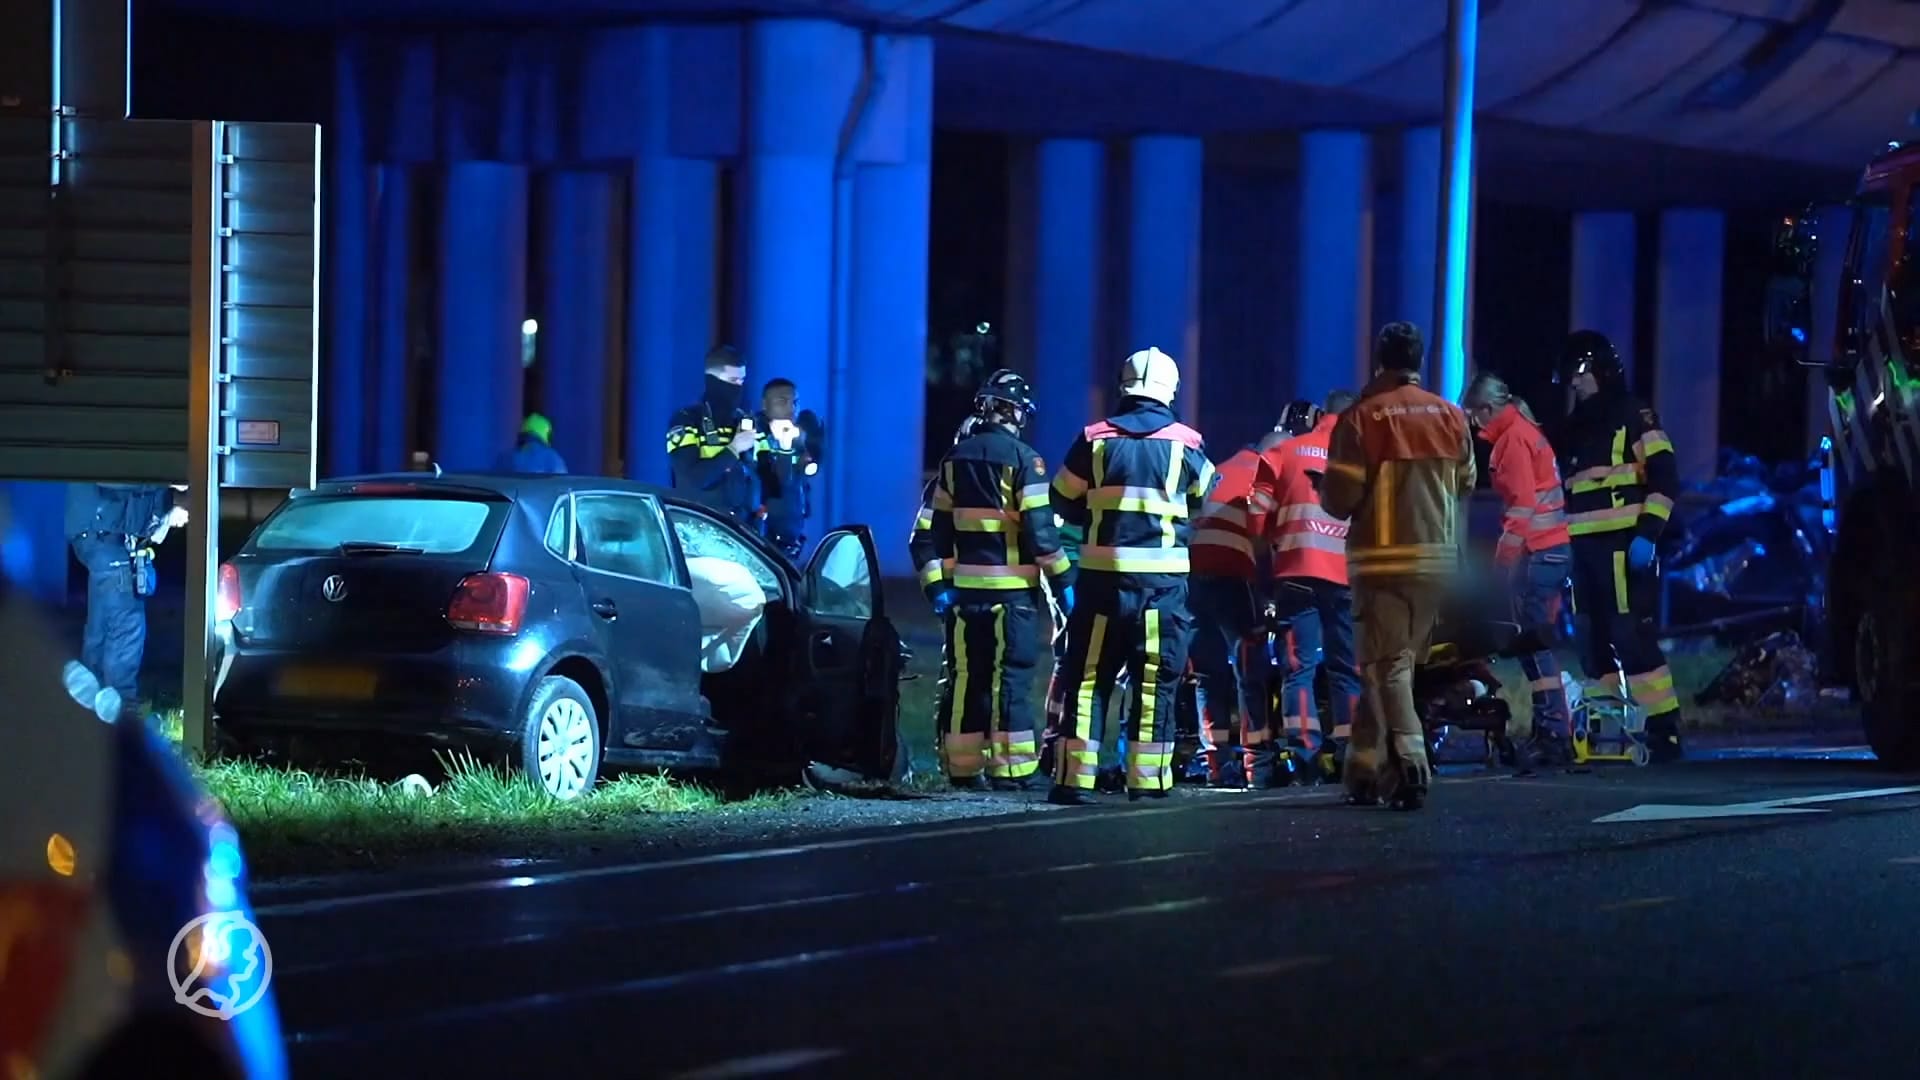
(429, 526)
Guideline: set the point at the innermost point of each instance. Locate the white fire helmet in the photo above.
(1150, 373)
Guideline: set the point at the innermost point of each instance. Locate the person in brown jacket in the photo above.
(1399, 465)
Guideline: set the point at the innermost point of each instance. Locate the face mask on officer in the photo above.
(723, 387)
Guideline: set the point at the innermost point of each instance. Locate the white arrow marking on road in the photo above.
(1672, 812)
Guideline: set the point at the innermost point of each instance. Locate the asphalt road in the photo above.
(1501, 932)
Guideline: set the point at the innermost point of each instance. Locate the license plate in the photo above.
(340, 684)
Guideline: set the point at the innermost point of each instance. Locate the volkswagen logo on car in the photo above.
(334, 588)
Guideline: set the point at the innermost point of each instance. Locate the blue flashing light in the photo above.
(1456, 206)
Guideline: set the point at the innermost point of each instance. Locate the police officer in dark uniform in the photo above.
(993, 536)
(786, 466)
(112, 528)
(1135, 481)
(1621, 480)
(711, 443)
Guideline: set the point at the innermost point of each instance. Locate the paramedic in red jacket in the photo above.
(1312, 601)
(1227, 593)
(1534, 555)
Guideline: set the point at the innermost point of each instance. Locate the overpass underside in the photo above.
(644, 189)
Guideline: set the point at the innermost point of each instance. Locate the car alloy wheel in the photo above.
(566, 749)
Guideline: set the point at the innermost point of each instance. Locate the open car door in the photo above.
(851, 714)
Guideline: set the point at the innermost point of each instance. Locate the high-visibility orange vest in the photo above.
(1224, 536)
(1306, 541)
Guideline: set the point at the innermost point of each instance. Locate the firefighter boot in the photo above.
(1257, 762)
(1303, 765)
(1062, 795)
(1410, 793)
(1663, 739)
(967, 783)
(1360, 774)
(1551, 752)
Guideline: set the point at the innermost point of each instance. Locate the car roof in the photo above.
(532, 486)
(538, 491)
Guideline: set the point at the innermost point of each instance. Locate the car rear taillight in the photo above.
(228, 604)
(488, 603)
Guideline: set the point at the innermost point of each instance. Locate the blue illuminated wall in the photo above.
(1163, 258)
(1069, 182)
(826, 130)
(1605, 273)
(1335, 284)
(1687, 358)
(1248, 325)
(576, 324)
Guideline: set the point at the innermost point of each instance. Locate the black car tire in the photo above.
(1884, 649)
(555, 712)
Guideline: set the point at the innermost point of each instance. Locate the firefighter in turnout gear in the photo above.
(1532, 556)
(1621, 479)
(926, 560)
(1313, 605)
(993, 536)
(1135, 481)
(1399, 465)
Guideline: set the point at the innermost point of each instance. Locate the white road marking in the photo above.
(1270, 968)
(1760, 808)
(761, 1064)
(1007, 822)
(386, 957)
(1166, 907)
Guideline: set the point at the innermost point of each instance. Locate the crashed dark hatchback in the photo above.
(563, 622)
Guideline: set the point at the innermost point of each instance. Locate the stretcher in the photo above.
(1608, 726)
(1457, 693)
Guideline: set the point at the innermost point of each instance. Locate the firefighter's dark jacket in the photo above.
(985, 527)
(134, 510)
(1620, 470)
(1135, 482)
(705, 465)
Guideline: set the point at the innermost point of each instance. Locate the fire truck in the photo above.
(1866, 347)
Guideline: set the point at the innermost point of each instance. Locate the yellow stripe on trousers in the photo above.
(1149, 680)
(965, 755)
(995, 718)
(1077, 764)
(1620, 582)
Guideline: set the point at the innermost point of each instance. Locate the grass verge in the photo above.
(292, 820)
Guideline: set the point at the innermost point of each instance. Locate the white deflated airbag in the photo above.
(731, 604)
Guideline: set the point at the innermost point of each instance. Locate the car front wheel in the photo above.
(560, 739)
